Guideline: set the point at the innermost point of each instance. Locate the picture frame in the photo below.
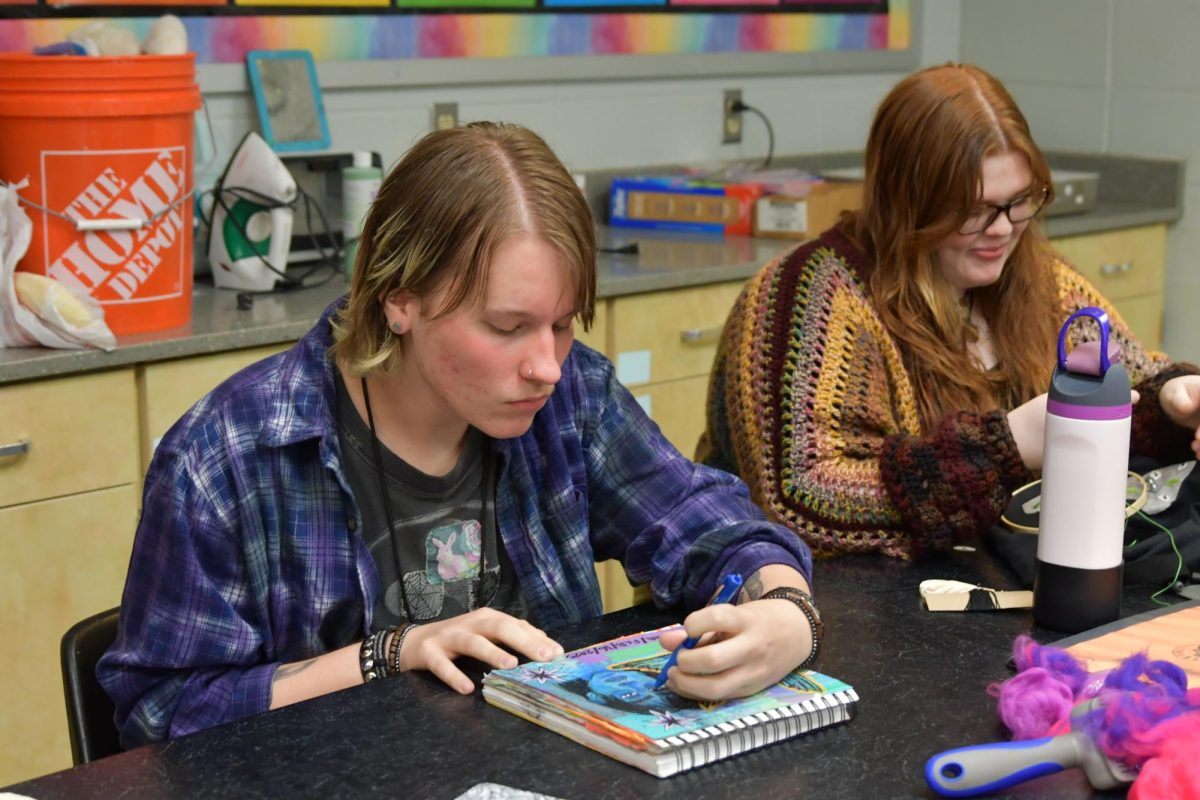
(287, 95)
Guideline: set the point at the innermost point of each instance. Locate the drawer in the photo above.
(1120, 263)
(662, 336)
(679, 409)
(80, 434)
(61, 560)
(168, 389)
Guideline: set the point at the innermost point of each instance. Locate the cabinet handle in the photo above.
(700, 335)
(1116, 269)
(17, 448)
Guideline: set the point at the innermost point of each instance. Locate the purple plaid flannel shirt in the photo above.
(248, 555)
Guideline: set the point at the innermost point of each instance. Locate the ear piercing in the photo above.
(397, 328)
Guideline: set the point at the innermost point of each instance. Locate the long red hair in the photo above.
(924, 161)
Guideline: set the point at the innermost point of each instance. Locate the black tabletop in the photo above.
(922, 678)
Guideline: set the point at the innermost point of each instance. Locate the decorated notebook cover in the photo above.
(612, 683)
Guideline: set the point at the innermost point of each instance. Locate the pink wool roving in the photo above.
(1147, 718)
(1035, 703)
(1038, 700)
(1173, 774)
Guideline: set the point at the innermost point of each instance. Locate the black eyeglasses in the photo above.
(1021, 209)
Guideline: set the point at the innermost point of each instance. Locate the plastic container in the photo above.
(1079, 568)
(360, 185)
(103, 139)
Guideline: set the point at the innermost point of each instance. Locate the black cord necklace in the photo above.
(391, 518)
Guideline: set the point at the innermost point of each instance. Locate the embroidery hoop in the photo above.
(1017, 516)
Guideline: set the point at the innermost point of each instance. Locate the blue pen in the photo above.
(729, 590)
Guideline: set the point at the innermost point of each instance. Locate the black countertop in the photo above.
(922, 677)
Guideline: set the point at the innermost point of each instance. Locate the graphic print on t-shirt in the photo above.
(452, 551)
(449, 582)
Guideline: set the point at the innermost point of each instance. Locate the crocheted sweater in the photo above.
(811, 404)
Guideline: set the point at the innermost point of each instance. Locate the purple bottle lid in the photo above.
(1090, 383)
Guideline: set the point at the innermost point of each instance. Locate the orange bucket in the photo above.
(106, 147)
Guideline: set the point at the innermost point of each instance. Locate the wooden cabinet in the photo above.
(167, 389)
(663, 344)
(68, 508)
(597, 337)
(1128, 267)
(79, 435)
(679, 408)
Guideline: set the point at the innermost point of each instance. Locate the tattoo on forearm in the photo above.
(752, 589)
(288, 670)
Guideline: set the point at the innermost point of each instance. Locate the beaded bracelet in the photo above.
(397, 643)
(802, 600)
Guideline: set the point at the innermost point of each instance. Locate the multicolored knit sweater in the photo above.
(811, 405)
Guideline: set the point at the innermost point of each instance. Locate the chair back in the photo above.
(89, 708)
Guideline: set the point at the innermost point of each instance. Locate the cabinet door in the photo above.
(1128, 267)
(79, 434)
(663, 336)
(60, 560)
(679, 409)
(169, 388)
(1122, 263)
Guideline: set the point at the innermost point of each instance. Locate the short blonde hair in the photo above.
(440, 215)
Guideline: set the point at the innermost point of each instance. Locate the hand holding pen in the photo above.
(729, 589)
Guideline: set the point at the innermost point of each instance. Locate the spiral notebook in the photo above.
(603, 697)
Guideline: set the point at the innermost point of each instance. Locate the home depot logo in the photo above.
(118, 266)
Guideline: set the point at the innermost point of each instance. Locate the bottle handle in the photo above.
(1101, 317)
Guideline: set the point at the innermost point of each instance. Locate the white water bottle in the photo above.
(1077, 582)
(360, 184)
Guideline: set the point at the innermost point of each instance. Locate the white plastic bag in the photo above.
(44, 311)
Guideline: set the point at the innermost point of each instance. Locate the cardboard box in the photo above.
(677, 203)
(788, 217)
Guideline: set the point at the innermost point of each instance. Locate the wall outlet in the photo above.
(731, 121)
(445, 116)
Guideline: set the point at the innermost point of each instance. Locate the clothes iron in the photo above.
(251, 230)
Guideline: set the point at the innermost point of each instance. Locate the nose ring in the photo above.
(529, 374)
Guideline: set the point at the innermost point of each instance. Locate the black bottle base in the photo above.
(1070, 600)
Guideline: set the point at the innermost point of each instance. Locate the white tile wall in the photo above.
(1182, 320)
(1154, 122)
(1063, 118)
(1048, 41)
(615, 123)
(1119, 76)
(602, 124)
(1154, 46)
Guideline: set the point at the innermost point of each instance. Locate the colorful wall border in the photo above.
(225, 39)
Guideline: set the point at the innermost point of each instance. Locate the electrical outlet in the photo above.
(445, 116)
(731, 127)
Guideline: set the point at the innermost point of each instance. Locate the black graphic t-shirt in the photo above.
(441, 523)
